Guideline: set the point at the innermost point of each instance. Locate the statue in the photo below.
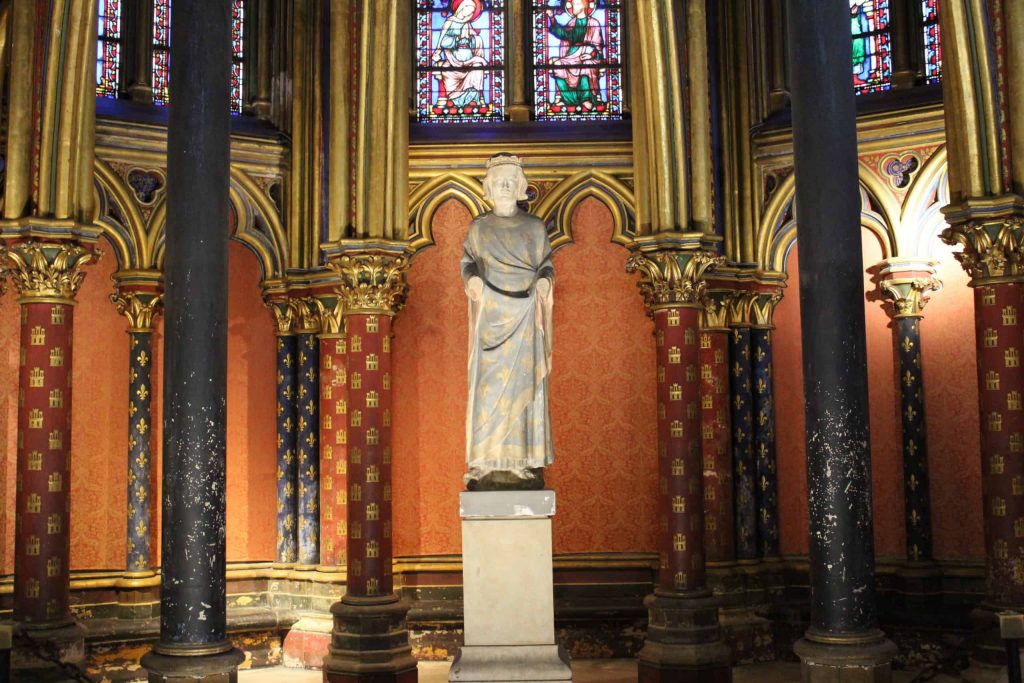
(508, 275)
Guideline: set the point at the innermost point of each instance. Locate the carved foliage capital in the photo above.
(762, 307)
(372, 282)
(284, 312)
(991, 248)
(139, 307)
(330, 311)
(673, 278)
(45, 270)
(910, 294)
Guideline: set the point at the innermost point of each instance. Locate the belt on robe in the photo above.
(523, 294)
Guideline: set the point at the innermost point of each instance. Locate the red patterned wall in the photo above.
(951, 403)
(602, 396)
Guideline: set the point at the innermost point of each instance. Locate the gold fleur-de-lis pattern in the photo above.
(766, 471)
(308, 447)
(287, 461)
(140, 417)
(744, 469)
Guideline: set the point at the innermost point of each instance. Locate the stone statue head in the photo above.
(500, 167)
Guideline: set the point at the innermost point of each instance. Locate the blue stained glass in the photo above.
(108, 48)
(577, 59)
(460, 54)
(161, 50)
(872, 57)
(932, 41)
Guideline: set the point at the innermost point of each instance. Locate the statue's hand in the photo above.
(475, 288)
(543, 288)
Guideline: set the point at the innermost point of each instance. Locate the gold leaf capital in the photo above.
(139, 307)
(372, 282)
(673, 278)
(909, 295)
(45, 270)
(992, 249)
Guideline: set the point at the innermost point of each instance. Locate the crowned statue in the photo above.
(508, 277)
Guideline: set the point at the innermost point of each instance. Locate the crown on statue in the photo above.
(504, 159)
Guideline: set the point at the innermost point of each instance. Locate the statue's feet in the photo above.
(531, 479)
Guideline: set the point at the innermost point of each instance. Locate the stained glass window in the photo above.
(237, 54)
(872, 58)
(460, 60)
(161, 50)
(108, 48)
(932, 41)
(577, 67)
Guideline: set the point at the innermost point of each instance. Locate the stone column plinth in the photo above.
(508, 589)
(683, 640)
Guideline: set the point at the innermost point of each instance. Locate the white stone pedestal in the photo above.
(508, 590)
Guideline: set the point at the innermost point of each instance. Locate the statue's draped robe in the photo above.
(507, 422)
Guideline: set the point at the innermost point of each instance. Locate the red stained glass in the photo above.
(460, 58)
(108, 48)
(577, 59)
(872, 57)
(161, 50)
(237, 55)
(932, 41)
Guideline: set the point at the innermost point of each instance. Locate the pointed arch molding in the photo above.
(555, 205)
(777, 232)
(139, 243)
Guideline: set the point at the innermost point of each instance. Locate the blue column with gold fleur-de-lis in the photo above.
(906, 285)
(742, 402)
(139, 306)
(308, 446)
(767, 480)
(287, 460)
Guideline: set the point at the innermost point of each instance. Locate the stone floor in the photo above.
(584, 671)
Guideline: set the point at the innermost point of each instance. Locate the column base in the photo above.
(307, 642)
(66, 640)
(369, 642)
(683, 641)
(511, 663)
(183, 667)
(988, 651)
(862, 661)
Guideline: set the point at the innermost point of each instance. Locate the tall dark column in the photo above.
(843, 640)
(193, 619)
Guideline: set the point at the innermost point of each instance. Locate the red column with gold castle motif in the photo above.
(369, 641)
(333, 437)
(683, 639)
(716, 426)
(46, 277)
(991, 256)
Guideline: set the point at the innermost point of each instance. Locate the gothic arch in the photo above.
(426, 199)
(257, 225)
(557, 207)
(922, 218)
(119, 218)
(778, 230)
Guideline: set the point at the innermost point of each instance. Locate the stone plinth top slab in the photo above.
(506, 504)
